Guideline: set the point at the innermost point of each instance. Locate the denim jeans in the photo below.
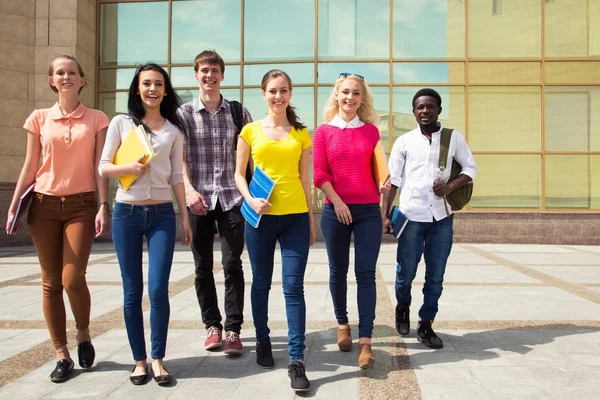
(434, 240)
(130, 225)
(230, 225)
(293, 233)
(367, 228)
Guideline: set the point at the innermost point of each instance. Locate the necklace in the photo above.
(63, 111)
(154, 125)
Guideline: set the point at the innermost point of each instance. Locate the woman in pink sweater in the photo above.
(342, 158)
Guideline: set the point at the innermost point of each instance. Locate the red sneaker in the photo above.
(213, 338)
(233, 344)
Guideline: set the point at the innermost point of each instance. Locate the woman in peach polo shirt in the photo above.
(64, 217)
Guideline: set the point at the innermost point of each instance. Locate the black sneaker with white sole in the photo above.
(297, 375)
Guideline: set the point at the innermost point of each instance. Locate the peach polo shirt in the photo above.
(68, 149)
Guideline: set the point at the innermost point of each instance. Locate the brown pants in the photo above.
(62, 229)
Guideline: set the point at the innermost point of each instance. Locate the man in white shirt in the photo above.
(414, 168)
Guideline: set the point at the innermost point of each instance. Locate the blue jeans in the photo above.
(130, 225)
(434, 239)
(293, 233)
(367, 228)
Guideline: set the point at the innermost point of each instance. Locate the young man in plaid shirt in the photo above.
(214, 201)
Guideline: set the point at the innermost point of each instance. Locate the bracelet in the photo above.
(105, 204)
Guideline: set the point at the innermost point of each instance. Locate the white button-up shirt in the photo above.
(340, 123)
(414, 166)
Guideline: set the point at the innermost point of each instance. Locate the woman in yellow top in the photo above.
(280, 146)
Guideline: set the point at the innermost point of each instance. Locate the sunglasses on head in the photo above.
(347, 74)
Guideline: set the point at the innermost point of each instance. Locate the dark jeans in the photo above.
(367, 228)
(293, 233)
(230, 225)
(434, 239)
(129, 226)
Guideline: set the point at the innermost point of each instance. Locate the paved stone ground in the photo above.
(518, 322)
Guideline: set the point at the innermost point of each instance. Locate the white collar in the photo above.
(340, 123)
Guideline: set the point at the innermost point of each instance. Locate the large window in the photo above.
(520, 79)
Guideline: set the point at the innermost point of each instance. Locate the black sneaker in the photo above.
(264, 355)
(402, 320)
(86, 354)
(297, 375)
(62, 371)
(427, 336)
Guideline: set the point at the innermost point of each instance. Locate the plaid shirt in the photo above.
(211, 143)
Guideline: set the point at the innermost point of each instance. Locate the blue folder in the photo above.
(261, 186)
(399, 221)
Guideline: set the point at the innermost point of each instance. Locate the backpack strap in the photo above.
(445, 137)
(237, 114)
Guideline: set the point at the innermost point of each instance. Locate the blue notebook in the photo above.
(261, 186)
(399, 221)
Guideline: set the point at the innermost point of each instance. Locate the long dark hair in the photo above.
(290, 112)
(168, 106)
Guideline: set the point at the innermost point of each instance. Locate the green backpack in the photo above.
(459, 197)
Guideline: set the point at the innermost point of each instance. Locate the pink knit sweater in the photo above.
(343, 157)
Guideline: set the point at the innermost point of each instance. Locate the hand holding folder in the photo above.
(380, 169)
(135, 147)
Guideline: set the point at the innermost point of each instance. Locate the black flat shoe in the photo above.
(163, 379)
(62, 371)
(86, 354)
(139, 379)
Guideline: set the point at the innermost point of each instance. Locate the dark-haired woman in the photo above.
(280, 146)
(146, 209)
(64, 216)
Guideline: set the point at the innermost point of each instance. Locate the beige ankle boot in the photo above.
(365, 356)
(344, 338)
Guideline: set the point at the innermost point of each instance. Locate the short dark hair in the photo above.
(209, 57)
(169, 104)
(427, 92)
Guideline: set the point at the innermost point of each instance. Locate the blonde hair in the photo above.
(366, 112)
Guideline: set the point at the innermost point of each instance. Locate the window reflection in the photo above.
(202, 25)
(354, 28)
(110, 79)
(568, 181)
(373, 72)
(299, 73)
(134, 33)
(276, 30)
(429, 72)
(515, 32)
(507, 181)
(571, 122)
(572, 28)
(441, 22)
(505, 118)
(113, 103)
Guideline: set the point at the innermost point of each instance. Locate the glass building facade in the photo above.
(519, 78)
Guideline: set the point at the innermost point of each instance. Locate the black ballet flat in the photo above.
(163, 379)
(139, 379)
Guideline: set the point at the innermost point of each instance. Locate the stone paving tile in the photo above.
(551, 258)
(524, 248)
(14, 341)
(580, 275)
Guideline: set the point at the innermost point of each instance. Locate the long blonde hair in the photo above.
(366, 112)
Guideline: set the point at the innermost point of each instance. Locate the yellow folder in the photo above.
(135, 145)
(380, 169)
